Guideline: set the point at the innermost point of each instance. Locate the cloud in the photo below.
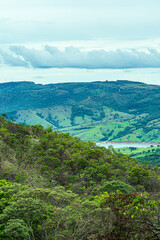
(74, 57)
(11, 60)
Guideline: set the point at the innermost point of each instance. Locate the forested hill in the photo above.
(62, 159)
(54, 186)
(112, 111)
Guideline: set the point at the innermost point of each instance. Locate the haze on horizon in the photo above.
(88, 40)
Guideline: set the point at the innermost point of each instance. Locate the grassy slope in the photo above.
(91, 111)
(86, 128)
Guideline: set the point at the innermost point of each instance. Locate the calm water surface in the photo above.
(121, 145)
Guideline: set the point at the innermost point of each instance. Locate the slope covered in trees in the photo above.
(54, 186)
(106, 111)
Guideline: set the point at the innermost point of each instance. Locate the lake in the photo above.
(125, 144)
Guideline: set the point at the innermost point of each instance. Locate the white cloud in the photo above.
(72, 57)
(122, 29)
(11, 60)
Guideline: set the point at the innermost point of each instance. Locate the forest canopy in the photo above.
(54, 186)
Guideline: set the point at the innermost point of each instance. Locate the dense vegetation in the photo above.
(54, 186)
(97, 111)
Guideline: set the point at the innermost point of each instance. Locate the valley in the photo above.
(120, 111)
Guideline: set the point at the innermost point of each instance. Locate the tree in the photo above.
(29, 216)
(16, 229)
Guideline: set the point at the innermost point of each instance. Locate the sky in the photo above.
(50, 41)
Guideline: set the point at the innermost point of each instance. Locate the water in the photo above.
(121, 145)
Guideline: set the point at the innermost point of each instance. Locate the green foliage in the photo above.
(139, 176)
(16, 229)
(22, 216)
(62, 188)
(134, 216)
(114, 186)
(64, 160)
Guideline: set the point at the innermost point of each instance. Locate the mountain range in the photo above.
(121, 111)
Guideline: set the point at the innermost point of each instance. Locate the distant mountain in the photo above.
(97, 111)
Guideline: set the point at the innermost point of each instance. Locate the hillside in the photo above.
(97, 111)
(149, 155)
(54, 186)
(58, 158)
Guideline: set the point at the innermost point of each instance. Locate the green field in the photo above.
(115, 126)
(99, 111)
(148, 155)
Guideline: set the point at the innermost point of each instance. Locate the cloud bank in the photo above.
(74, 57)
